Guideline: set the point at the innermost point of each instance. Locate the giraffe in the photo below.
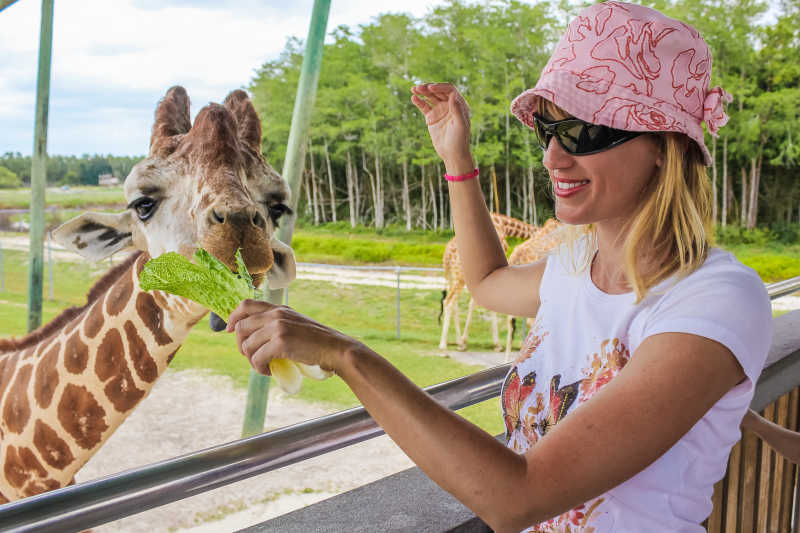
(505, 227)
(530, 251)
(66, 387)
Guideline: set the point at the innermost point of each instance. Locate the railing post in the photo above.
(256, 407)
(39, 168)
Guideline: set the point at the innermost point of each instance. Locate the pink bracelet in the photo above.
(463, 177)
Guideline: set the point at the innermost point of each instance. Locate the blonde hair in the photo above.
(671, 231)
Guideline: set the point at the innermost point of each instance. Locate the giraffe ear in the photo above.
(96, 236)
(283, 269)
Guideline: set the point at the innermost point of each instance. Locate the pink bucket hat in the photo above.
(631, 68)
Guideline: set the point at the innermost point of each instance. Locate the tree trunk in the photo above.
(306, 187)
(743, 216)
(525, 203)
(314, 195)
(725, 182)
(357, 191)
(714, 180)
(435, 208)
(406, 199)
(373, 185)
(350, 199)
(330, 182)
(379, 187)
(753, 194)
(423, 201)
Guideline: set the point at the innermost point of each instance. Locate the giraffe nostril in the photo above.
(216, 217)
(259, 221)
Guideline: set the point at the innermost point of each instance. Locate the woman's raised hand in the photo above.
(447, 116)
(265, 331)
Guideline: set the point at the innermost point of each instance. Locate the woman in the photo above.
(626, 398)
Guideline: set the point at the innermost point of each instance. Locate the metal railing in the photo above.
(95, 502)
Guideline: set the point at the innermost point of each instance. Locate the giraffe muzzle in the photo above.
(215, 322)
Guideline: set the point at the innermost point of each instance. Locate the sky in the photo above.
(114, 59)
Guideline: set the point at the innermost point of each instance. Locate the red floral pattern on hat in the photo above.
(630, 67)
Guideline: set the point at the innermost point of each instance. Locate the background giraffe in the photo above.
(454, 278)
(530, 251)
(66, 387)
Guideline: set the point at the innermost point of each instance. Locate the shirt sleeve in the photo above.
(727, 303)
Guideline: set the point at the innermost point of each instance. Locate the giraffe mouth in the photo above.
(215, 322)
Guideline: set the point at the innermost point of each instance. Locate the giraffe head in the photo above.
(204, 185)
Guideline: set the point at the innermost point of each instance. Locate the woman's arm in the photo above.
(626, 426)
(491, 282)
(784, 441)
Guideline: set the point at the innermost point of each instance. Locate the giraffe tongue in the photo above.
(216, 323)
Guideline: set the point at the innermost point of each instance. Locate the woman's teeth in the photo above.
(563, 185)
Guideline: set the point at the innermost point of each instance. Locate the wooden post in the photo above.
(39, 169)
(256, 408)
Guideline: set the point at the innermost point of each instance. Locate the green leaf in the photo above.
(207, 281)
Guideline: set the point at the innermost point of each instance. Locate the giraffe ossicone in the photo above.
(67, 386)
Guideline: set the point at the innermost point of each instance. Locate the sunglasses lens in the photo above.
(541, 133)
(578, 137)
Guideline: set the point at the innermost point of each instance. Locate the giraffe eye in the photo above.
(276, 211)
(144, 207)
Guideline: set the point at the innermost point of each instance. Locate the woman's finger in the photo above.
(426, 91)
(251, 344)
(247, 326)
(245, 309)
(261, 358)
(421, 104)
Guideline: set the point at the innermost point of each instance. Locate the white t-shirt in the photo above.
(581, 339)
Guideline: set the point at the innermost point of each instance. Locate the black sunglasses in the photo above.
(578, 137)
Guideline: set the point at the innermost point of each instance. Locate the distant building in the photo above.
(107, 180)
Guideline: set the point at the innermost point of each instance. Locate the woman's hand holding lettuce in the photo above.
(210, 283)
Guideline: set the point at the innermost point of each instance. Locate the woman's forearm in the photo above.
(479, 247)
(784, 441)
(460, 457)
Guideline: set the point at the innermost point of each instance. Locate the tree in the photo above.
(8, 179)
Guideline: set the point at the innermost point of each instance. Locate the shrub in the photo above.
(9, 180)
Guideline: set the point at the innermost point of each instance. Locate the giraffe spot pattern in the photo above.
(153, 317)
(76, 354)
(20, 464)
(46, 377)
(122, 391)
(81, 416)
(94, 320)
(109, 356)
(17, 411)
(7, 365)
(145, 367)
(110, 365)
(119, 295)
(52, 448)
(36, 486)
(171, 356)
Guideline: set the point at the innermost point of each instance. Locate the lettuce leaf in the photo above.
(207, 281)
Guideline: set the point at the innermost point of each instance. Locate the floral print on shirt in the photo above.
(530, 412)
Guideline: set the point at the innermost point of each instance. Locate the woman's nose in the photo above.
(555, 156)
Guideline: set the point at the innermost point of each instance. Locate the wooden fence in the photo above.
(757, 494)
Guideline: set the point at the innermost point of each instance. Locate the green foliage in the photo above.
(207, 281)
(368, 133)
(71, 170)
(9, 180)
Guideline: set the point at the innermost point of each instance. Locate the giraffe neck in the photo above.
(63, 397)
(512, 227)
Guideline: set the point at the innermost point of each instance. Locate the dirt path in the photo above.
(163, 426)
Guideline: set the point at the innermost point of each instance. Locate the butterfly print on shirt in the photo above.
(560, 401)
